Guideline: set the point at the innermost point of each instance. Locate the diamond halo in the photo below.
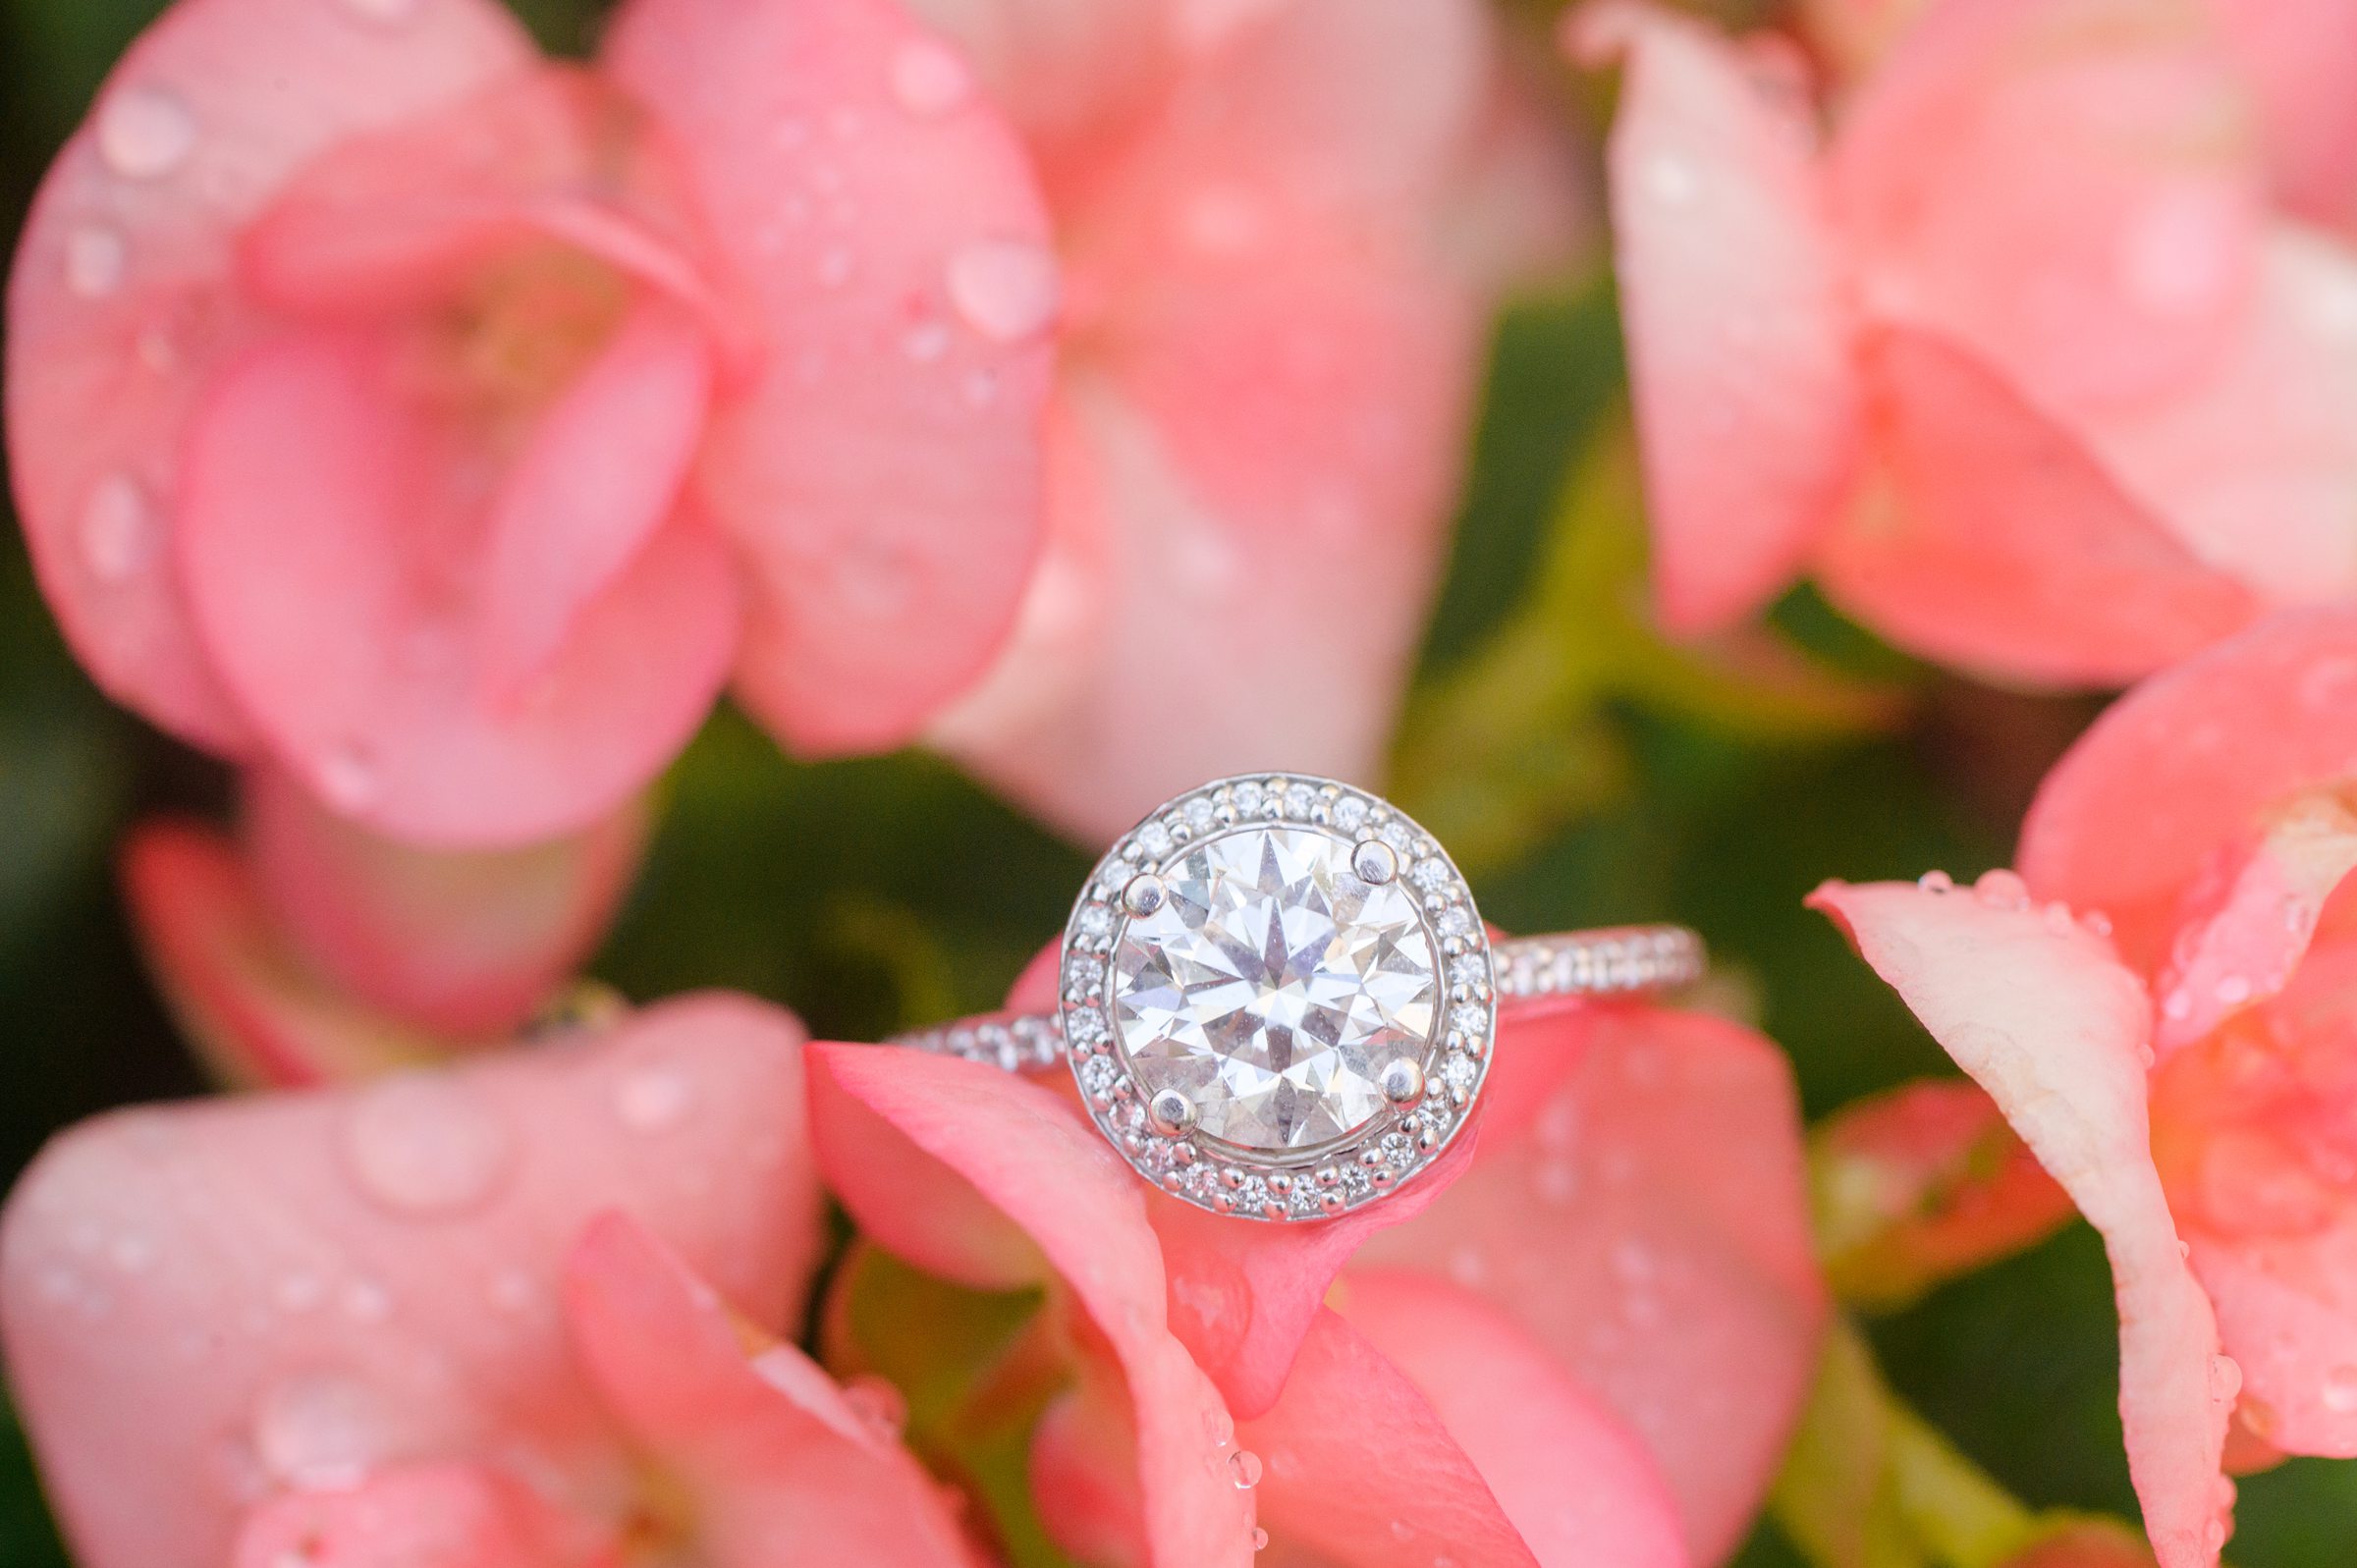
(1277, 998)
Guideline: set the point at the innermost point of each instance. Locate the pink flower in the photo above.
(515, 1315)
(2021, 363)
(440, 426)
(309, 949)
(2177, 1051)
(1271, 333)
(1590, 1348)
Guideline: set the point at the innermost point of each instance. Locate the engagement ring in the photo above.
(1280, 1001)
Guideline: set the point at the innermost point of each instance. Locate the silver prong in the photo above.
(1172, 1114)
(1145, 893)
(1374, 862)
(1402, 1081)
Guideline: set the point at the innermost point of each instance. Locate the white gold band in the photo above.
(1621, 961)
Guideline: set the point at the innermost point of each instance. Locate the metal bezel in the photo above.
(1373, 1161)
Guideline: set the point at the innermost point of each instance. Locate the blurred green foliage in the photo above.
(1596, 777)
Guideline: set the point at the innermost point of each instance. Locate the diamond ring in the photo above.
(1278, 1001)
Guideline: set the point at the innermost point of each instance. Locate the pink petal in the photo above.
(302, 565)
(2287, 1311)
(1242, 1295)
(1278, 372)
(1922, 1183)
(124, 303)
(1353, 1447)
(1679, 1290)
(2295, 53)
(407, 1516)
(2183, 765)
(1576, 1484)
(2042, 1015)
(1012, 1146)
(880, 474)
(248, 1001)
(2254, 462)
(206, 1304)
(468, 944)
(592, 491)
(780, 1468)
(1997, 543)
(2067, 188)
(1740, 333)
(2246, 926)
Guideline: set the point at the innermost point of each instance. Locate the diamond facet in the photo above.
(1272, 987)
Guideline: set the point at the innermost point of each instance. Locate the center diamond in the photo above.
(1272, 987)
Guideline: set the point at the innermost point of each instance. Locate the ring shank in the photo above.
(1621, 961)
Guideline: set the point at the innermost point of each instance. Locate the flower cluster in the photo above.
(431, 432)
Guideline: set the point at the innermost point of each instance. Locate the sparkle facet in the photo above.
(1274, 987)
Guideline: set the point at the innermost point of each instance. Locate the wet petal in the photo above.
(1680, 1291)
(1747, 399)
(2070, 187)
(2287, 1311)
(356, 660)
(1997, 542)
(203, 1305)
(259, 1014)
(464, 943)
(407, 1516)
(2246, 925)
(123, 302)
(781, 1466)
(2042, 1015)
(999, 1143)
(2184, 765)
(888, 516)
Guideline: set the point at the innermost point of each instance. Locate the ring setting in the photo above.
(1278, 1001)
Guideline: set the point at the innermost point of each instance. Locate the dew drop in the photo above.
(512, 1291)
(1557, 1181)
(320, 1429)
(2176, 1006)
(1260, 1538)
(880, 1406)
(94, 261)
(426, 1146)
(2002, 890)
(387, 12)
(982, 388)
(2233, 991)
(2339, 1393)
(929, 78)
(300, 1292)
(653, 1099)
(131, 1251)
(1245, 1466)
(366, 1302)
(118, 529)
(834, 267)
(1007, 290)
(1401, 1530)
(347, 779)
(146, 133)
(1217, 1429)
(1936, 881)
(1220, 221)
(2225, 1377)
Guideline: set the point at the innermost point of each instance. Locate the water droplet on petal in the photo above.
(301, 1292)
(1217, 1426)
(1260, 1538)
(2339, 1393)
(653, 1099)
(144, 132)
(320, 1429)
(388, 11)
(118, 529)
(929, 78)
(2233, 991)
(2002, 890)
(1007, 290)
(1221, 221)
(511, 1290)
(1245, 1466)
(880, 1406)
(347, 779)
(982, 388)
(426, 1146)
(834, 267)
(367, 1301)
(1936, 881)
(94, 260)
(131, 1251)
(2225, 1377)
